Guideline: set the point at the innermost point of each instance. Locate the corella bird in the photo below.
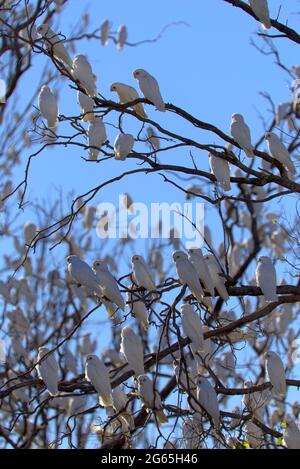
(47, 369)
(132, 348)
(82, 273)
(221, 170)
(108, 284)
(121, 405)
(54, 44)
(150, 88)
(192, 327)
(241, 134)
(123, 146)
(276, 373)
(129, 94)
(48, 106)
(150, 397)
(217, 276)
(188, 275)
(97, 374)
(138, 310)
(83, 73)
(141, 273)
(266, 278)
(197, 259)
(291, 434)
(96, 138)
(261, 10)
(207, 398)
(122, 37)
(87, 106)
(279, 152)
(105, 32)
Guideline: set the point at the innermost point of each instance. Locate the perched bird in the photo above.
(187, 274)
(279, 152)
(291, 434)
(105, 32)
(82, 273)
(141, 273)
(254, 435)
(261, 10)
(97, 374)
(241, 134)
(217, 276)
(96, 137)
(83, 73)
(129, 94)
(192, 327)
(122, 37)
(70, 361)
(150, 397)
(221, 170)
(48, 370)
(207, 398)
(197, 259)
(54, 44)
(123, 146)
(87, 106)
(108, 284)
(276, 373)
(132, 348)
(138, 310)
(266, 278)
(48, 106)
(121, 405)
(150, 88)
(30, 232)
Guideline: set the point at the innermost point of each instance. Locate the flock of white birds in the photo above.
(202, 274)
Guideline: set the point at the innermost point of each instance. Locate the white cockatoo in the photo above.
(48, 106)
(20, 394)
(207, 398)
(87, 106)
(47, 369)
(253, 435)
(150, 397)
(30, 231)
(192, 327)
(70, 362)
(141, 272)
(261, 10)
(241, 134)
(217, 276)
(83, 73)
(132, 348)
(96, 137)
(254, 401)
(123, 146)
(266, 278)
(108, 284)
(54, 44)
(105, 32)
(221, 170)
(279, 152)
(138, 310)
(150, 88)
(276, 373)
(188, 275)
(197, 259)
(83, 274)
(122, 36)
(129, 94)
(121, 405)
(291, 434)
(97, 374)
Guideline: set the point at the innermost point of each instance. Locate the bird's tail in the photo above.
(106, 401)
